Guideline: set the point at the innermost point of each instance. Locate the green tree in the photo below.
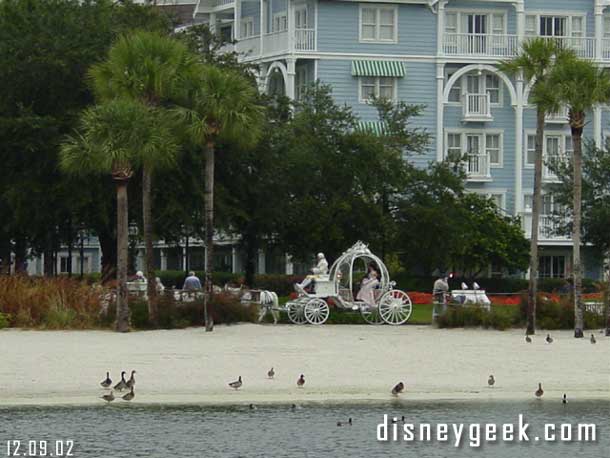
(580, 85)
(114, 138)
(220, 105)
(534, 63)
(150, 68)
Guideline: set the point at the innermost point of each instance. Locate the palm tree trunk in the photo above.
(577, 125)
(209, 231)
(536, 206)
(149, 264)
(122, 306)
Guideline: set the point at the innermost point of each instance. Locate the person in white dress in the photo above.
(367, 288)
(320, 269)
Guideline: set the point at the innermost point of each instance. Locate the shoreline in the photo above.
(346, 364)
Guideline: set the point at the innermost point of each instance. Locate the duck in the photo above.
(108, 397)
(252, 407)
(107, 382)
(236, 384)
(491, 381)
(122, 384)
(564, 399)
(301, 381)
(398, 388)
(549, 339)
(593, 340)
(539, 392)
(528, 339)
(129, 396)
(132, 380)
(271, 373)
(349, 422)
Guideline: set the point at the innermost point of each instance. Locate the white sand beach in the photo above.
(340, 364)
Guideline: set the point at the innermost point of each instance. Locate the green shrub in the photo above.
(552, 314)
(500, 318)
(4, 321)
(60, 317)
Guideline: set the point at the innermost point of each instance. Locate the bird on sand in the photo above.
(593, 339)
(549, 339)
(132, 380)
(398, 388)
(528, 339)
(301, 381)
(122, 384)
(107, 382)
(108, 397)
(129, 396)
(236, 384)
(539, 392)
(491, 381)
(564, 399)
(271, 373)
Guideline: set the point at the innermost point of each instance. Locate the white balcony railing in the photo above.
(476, 107)
(550, 163)
(305, 40)
(605, 49)
(468, 44)
(218, 3)
(275, 42)
(548, 228)
(559, 117)
(249, 47)
(583, 47)
(477, 167)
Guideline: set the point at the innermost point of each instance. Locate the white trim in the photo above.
(480, 11)
(463, 131)
(481, 67)
(378, 8)
(489, 192)
(563, 133)
(279, 16)
(564, 14)
(394, 88)
(243, 21)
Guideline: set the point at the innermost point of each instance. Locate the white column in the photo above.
(213, 22)
(597, 126)
(599, 30)
(233, 260)
(519, 147)
(520, 8)
(163, 259)
(263, 26)
(440, 27)
(290, 76)
(289, 265)
(290, 24)
(440, 110)
(184, 257)
(237, 20)
(261, 262)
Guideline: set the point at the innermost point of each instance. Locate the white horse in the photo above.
(267, 300)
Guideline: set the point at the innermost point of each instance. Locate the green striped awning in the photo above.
(374, 127)
(391, 68)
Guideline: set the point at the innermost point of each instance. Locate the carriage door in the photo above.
(476, 27)
(304, 38)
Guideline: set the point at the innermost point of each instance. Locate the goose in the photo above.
(301, 381)
(549, 339)
(593, 339)
(106, 383)
(528, 339)
(564, 399)
(132, 380)
(349, 422)
(271, 373)
(122, 384)
(491, 381)
(539, 392)
(108, 397)
(129, 396)
(237, 384)
(398, 388)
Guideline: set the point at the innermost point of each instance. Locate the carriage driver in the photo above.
(320, 269)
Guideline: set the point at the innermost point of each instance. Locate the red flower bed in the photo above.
(420, 298)
(513, 299)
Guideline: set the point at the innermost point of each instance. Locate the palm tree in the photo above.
(534, 63)
(113, 138)
(147, 67)
(222, 105)
(580, 85)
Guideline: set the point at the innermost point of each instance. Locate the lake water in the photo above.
(274, 431)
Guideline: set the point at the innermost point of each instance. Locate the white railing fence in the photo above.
(476, 106)
(305, 40)
(477, 166)
(480, 44)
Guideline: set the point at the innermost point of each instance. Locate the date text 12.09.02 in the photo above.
(40, 448)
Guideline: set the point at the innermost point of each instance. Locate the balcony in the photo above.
(277, 43)
(476, 108)
(559, 117)
(305, 40)
(547, 228)
(469, 44)
(582, 46)
(477, 168)
(548, 176)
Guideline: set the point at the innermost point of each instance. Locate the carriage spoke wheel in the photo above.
(395, 307)
(296, 312)
(317, 311)
(371, 315)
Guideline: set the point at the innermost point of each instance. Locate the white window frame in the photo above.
(463, 81)
(378, 8)
(301, 80)
(564, 134)
(245, 23)
(564, 14)
(458, 86)
(377, 85)
(565, 265)
(460, 12)
(482, 133)
(282, 19)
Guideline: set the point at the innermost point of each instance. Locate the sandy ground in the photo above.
(340, 363)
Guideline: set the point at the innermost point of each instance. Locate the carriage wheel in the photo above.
(371, 315)
(296, 313)
(395, 307)
(317, 311)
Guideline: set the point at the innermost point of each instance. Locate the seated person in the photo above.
(319, 270)
(367, 288)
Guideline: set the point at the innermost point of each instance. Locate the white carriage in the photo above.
(387, 305)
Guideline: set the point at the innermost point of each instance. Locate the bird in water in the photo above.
(108, 397)
(271, 373)
(398, 388)
(132, 380)
(528, 339)
(549, 339)
(564, 399)
(252, 407)
(293, 407)
(301, 381)
(593, 340)
(349, 422)
(122, 384)
(236, 384)
(129, 396)
(107, 382)
(491, 381)
(539, 392)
